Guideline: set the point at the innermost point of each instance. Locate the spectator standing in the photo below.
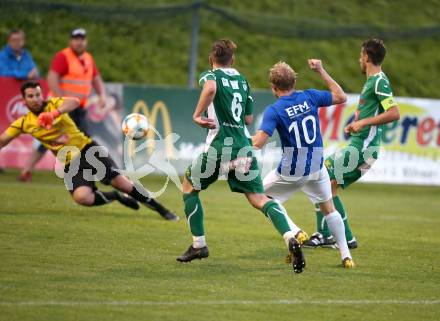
(15, 60)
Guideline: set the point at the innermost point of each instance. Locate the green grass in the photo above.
(61, 261)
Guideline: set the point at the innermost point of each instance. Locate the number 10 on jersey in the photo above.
(307, 122)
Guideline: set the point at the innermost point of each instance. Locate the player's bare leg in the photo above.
(86, 196)
(276, 213)
(335, 187)
(140, 194)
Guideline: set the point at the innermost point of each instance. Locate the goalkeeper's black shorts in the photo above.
(86, 171)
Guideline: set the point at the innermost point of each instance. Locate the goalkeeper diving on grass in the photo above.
(84, 160)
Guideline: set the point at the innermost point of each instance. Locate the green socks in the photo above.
(321, 223)
(340, 208)
(194, 213)
(277, 216)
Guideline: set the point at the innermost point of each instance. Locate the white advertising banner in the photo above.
(409, 152)
(410, 149)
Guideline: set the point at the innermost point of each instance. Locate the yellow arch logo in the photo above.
(141, 107)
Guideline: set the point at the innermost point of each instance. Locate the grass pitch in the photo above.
(61, 261)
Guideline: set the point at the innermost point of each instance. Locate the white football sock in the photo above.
(336, 226)
(199, 242)
(287, 236)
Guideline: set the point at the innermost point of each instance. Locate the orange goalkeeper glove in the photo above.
(46, 119)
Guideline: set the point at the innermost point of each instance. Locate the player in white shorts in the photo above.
(295, 116)
(316, 186)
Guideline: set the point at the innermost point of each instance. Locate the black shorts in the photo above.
(85, 172)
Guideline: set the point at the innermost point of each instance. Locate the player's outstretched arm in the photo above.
(46, 119)
(338, 95)
(69, 104)
(206, 98)
(5, 139)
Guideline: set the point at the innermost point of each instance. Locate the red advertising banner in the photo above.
(16, 153)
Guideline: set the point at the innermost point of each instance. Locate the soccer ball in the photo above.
(135, 126)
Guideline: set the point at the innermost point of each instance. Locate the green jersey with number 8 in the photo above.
(232, 102)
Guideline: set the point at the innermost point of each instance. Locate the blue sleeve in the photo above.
(322, 98)
(269, 122)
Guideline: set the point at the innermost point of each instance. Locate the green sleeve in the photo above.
(249, 110)
(249, 106)
(206, 75)
(384, 93)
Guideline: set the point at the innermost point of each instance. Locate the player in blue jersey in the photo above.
(295, 116)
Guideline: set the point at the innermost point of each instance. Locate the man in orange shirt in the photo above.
(72, 73)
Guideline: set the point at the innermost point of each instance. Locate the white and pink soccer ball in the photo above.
(135, 126)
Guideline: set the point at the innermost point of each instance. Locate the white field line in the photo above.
(219, 302)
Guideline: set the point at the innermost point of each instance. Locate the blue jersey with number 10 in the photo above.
(296, 119)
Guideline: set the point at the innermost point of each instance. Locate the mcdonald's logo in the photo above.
(141, 107)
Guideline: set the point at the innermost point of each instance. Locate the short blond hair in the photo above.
(282, 76)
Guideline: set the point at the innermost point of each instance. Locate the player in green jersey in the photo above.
(228, 152)
(376, 107)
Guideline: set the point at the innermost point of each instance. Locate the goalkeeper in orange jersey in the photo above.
(84, 160)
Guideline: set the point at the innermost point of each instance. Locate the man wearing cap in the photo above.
(72, 73)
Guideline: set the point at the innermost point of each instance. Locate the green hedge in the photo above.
(134, 42)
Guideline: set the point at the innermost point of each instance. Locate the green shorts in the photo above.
(349, 164)
(242, 173)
